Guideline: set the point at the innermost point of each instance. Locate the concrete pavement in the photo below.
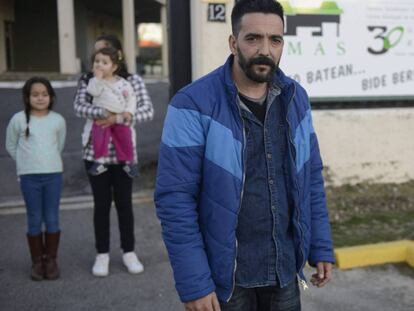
(384, 288)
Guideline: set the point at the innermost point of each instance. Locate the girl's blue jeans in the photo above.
(41, 193)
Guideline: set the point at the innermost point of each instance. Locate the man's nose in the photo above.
(264, 48)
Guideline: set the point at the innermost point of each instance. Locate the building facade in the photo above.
(58, 35)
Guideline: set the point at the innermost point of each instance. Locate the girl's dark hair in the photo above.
(26, 90)
(113, 55)
(113, 41)
(243, 7)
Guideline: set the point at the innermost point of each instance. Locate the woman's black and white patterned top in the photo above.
(85, 109)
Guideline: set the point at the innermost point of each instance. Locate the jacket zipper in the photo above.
(273, 213)
(302, 280)
(241, 198)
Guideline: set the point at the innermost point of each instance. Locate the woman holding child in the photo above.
(108, 137)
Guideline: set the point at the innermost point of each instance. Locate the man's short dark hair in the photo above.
(243, 7)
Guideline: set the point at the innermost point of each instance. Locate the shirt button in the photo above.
(271, 181)
(269, 155)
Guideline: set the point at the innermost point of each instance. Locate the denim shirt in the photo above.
(265, 251)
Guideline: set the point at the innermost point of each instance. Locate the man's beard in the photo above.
(247, 67)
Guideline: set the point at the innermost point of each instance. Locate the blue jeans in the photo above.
(41, 193)
(268, 298)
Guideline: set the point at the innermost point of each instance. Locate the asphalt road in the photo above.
(386, 288)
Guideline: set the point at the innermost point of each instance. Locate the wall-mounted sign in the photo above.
(216, 12)
(350, 48)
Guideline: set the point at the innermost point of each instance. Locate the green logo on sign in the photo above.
(389, 38)
(327, 12)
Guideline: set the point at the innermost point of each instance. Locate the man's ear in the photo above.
(233, 44)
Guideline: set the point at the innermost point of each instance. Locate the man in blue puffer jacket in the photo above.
(239, 189)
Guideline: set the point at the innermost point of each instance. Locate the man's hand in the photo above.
(323, 274)
(207, 303)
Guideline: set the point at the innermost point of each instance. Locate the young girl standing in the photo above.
(34, 139)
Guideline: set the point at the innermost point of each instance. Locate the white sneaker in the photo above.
(101, 265)
(132, 263)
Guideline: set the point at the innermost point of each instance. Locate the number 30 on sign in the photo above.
(216, 12)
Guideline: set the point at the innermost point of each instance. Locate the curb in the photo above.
(64, 84)
(375, 254)
(346, 257)
(73, 203)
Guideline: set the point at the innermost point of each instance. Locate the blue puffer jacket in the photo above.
(200, 179)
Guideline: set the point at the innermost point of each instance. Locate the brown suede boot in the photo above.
(36, 252)
(51, 248)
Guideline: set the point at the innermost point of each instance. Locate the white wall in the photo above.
(209, 40)
(373, 145)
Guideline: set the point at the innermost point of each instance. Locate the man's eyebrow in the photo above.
(257, 35)
(253, 34)
(277, 37)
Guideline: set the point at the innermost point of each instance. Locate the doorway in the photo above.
(9, 35)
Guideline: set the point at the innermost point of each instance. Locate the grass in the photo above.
(383, 227)
(371, 213)
(360, 214)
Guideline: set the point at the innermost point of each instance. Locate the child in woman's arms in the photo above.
(117, 96)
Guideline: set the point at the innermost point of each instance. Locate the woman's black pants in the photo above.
(112, 185)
